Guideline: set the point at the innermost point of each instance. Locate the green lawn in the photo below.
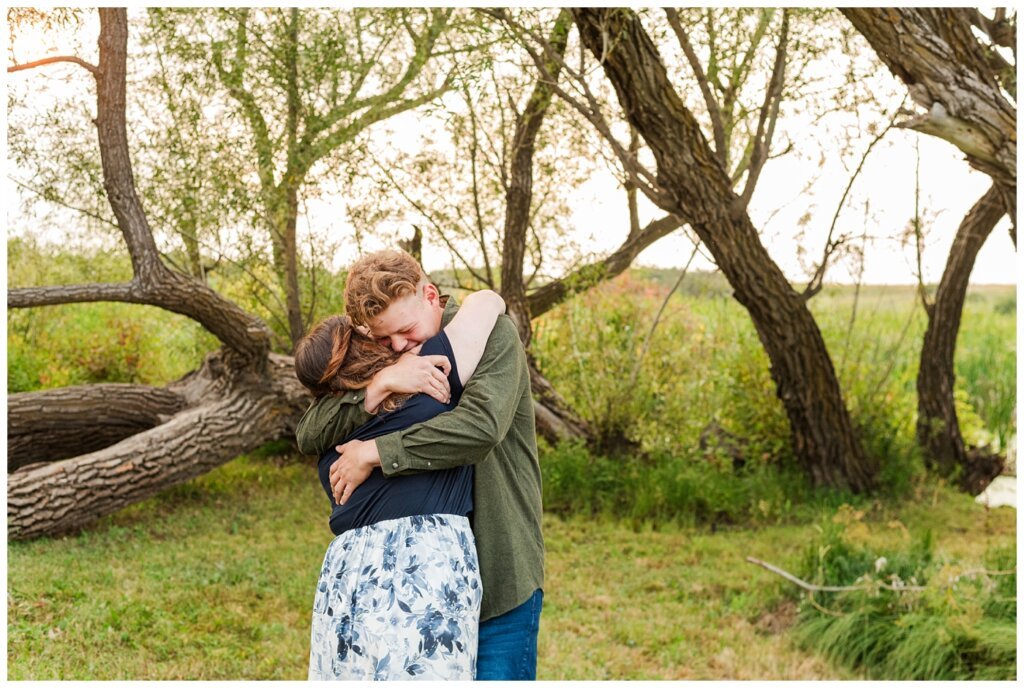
(214, 580)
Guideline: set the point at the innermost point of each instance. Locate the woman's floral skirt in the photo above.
(398, 599)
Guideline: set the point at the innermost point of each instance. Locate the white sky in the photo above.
(948, 189)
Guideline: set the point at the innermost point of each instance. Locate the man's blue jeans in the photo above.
(508, 643)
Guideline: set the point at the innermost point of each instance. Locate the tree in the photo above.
(958, 81)
(938, 430)
(306, 84)
(241, 397)
(962, 83)
(692, 183)
(508, 124)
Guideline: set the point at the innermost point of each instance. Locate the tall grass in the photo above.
(961, 624)
(705, 365)
(703, 372)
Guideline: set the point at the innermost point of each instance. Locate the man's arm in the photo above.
(328, 419)
(331, 419)
(468, 433)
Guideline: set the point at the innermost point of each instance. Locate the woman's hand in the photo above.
(357, 461)
(411, 374)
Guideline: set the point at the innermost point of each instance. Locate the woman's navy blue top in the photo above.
(448, 491)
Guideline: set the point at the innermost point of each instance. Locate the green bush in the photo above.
(947, 621)
(679, 488)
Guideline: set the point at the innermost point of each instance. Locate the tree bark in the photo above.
(700, 190)
(519, 196)
(230, 420)
(938, 431)
(936, 54)
(556, 420)
(56, 424)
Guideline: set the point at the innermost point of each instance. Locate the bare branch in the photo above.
(814, 285)
(644, 179)
(657, 318)
(811, 587)
(714, 111)
(769, 115)
(93, 69)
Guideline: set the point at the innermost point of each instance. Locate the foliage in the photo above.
(962, 625)
(77, 344)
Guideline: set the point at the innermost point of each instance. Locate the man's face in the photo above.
(408, 321)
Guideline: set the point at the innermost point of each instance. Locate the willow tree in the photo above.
(86, 452)
(524, 148)
(307, 83)
(954, 65)
(690, 181)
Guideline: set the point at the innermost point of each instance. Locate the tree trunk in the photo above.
(556, 420)
(698, 189)
(293, 302)
(237, 413)
(938, 431)
(935, 52)
(56, 424)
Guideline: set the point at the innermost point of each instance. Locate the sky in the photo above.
(793, 221)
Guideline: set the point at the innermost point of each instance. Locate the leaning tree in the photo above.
(691, 181)
(949, 58)
(86, 452)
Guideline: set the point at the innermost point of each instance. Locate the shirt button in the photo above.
(429, 464)
(394, 465)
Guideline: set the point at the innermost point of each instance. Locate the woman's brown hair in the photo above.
(335, 358)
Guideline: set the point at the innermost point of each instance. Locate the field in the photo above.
(646, 570)
(214, 580)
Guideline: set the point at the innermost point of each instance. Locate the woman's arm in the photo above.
(469, 330)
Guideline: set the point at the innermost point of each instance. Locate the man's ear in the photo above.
(431, 294)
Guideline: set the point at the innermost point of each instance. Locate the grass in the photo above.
(214, 580)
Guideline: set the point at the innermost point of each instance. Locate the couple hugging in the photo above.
(424, 423)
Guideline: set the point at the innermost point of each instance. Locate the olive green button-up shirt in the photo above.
(493, 428)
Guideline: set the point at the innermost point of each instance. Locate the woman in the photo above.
(399, 591)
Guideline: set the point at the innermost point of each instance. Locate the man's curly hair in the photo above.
(376, 280)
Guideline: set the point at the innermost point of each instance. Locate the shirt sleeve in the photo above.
(329, 420)
(468, 433)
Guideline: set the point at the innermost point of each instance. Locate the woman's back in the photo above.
(431, 492)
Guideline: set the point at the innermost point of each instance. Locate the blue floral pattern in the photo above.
(398, 599)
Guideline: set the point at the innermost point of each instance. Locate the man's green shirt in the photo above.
(492, 427)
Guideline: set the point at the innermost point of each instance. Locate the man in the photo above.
(492, 427)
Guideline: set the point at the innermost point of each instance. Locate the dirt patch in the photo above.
(778, 620)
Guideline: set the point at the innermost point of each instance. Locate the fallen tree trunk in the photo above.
(238, 414)
(241, 397)
(55, 424)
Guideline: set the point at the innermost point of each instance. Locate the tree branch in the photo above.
(714, 111)
(769, 115)
(553, 293)
(814, 285)
(93, 69)
(30, 297)
(811, 587)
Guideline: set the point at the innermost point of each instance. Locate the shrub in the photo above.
(916, 617)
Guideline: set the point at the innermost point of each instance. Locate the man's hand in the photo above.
(411, 374)
(357, 461)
